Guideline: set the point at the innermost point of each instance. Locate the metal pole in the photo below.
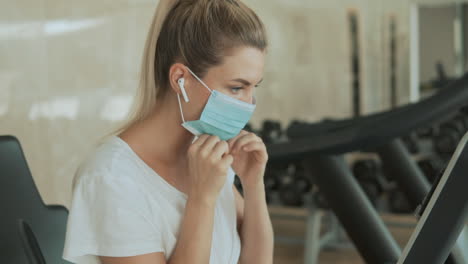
(399, 164)
(459, 39)
(355, 212)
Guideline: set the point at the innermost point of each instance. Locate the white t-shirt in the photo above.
(121, 207)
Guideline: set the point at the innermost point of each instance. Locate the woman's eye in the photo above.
(236, 89)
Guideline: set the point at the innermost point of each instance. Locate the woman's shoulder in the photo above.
(111, 160)
(110, 176)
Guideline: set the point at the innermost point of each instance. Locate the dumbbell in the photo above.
(272, 180)
(372, 192)
(276, 171)
(294, 187)
(398, 202)
(365, 170)
(275, 174)
(292, 193)
(411, 142)
(302, 180)
(426, 132)
(430, 167)
(367, 174)
(450, 133)
(321, 201)
(459, 123)
(368, 171)
(463, 120)
(271, 131)
(446, 142)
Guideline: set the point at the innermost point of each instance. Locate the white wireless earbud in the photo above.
(181, 82)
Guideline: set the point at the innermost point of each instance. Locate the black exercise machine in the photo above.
(30, 231)
(321, 150)
(443, 216)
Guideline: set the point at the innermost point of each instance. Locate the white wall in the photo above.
(68, 70)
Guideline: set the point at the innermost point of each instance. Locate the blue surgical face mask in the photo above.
(223, 116)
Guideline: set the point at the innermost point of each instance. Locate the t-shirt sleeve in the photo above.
(110, 216)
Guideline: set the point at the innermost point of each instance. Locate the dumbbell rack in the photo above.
(318, 235)
(323, 155)
(399, 163)
(314, 242)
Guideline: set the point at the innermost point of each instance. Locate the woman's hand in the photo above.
(250, 158)
(209, 162)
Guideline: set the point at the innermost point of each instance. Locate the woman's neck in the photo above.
(160, 138)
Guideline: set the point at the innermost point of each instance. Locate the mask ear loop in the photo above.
(196, 77)
(182, 115)
(178, 96)
(180, 108)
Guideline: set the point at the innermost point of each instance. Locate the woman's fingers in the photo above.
(227, 160)
(245, 139)
(233, 140)
(220, 149)
(253, 146)
(209, 144)
(199, 142)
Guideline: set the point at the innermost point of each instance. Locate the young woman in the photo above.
(160, 190)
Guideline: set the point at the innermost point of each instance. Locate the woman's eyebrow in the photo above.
(245, 82)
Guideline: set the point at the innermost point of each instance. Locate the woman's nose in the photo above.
(248, 98)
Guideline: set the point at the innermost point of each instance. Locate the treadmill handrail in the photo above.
(375, 130)
(445, 216)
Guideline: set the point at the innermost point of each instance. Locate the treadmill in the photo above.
(321, 149)
(443, 215)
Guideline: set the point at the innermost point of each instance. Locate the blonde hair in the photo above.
(198, 33)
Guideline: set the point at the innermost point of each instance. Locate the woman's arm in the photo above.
(194, 241)
(255, 229)
(239, 209)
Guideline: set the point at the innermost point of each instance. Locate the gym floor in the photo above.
(295, 228)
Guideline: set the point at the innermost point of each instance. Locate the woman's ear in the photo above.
(177, 72)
